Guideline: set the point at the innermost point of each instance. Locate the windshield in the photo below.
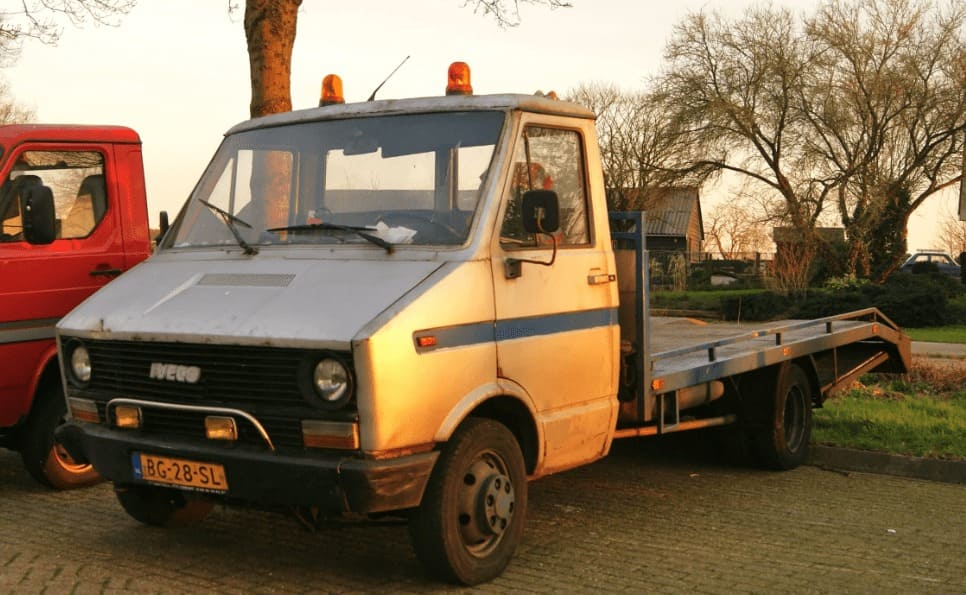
(405, 179)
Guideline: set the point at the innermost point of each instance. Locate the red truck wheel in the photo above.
(44, 459)
(471, 518)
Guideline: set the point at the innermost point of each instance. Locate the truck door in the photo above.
(556, 323)
(41, 283)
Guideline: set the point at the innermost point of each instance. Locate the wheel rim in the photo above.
(486, 504)
(61, 458)
(795, 404)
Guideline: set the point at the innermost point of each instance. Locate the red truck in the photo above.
(73, 216)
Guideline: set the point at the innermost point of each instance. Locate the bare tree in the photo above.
(952, 235)
(642, 144)
(737, 227)
(860, 107)
(737, 85)
(10, 111)
(887, 104)
(507, 12)
(40, 20)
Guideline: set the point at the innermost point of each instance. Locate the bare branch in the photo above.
(40, 20)
(506, 13)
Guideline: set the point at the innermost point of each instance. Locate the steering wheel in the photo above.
(425, 227)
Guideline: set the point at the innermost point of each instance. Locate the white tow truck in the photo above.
(415, 307)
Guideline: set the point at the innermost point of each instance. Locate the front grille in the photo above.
(262, 381)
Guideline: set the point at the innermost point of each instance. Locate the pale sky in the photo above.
(177, 72)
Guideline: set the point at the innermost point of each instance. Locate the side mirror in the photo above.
(37, 210)
(540, 211)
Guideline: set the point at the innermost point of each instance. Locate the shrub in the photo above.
(845, 282)
(910, 301)
(818, 304)
(913, 301)
(759, 306)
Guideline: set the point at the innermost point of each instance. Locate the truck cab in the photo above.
(346, 288)
(72, 217)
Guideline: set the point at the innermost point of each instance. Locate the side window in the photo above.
(556, 162)
(76, 179)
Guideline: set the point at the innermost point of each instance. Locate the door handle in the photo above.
(600, 278)
(105, 272)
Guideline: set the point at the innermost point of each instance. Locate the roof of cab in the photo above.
(451, 103)
(13, 134)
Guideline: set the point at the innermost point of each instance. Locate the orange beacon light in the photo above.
(331, 90)
(458, 82)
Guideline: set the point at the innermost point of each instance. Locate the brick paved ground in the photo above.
(637, 521)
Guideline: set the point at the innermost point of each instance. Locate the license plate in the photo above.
(195, 475)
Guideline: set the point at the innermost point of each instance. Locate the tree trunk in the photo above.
(270, 32)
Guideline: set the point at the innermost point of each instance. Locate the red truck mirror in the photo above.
(541, 212)
(37, 207)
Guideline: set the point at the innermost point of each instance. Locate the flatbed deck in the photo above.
(686, 352)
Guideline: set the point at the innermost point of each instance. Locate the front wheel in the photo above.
(45, 459)
(471, 518)
(784, 442)
(161, 507)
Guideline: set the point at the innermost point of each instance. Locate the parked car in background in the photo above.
(945, 263)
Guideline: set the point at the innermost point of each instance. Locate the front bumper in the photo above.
(334, 483)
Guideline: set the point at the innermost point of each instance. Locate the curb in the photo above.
(867, 461)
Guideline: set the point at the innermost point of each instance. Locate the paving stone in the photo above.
(641, 520)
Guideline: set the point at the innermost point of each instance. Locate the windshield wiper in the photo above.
(359, 231)
(230, 221)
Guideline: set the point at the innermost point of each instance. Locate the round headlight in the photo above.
(331, 381)
(80, 364)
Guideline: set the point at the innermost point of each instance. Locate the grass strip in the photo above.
(918, 426)
(940, 334)
(922, 414)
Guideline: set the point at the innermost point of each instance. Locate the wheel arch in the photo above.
(513, 414)
(504, 402)
(808, 366)
(48, 374)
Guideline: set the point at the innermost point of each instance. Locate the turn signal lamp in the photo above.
(331, 90)
(426, 341)
(83, 410)
(126, 416)
(330, 434)
(221, 428)
(459, 79)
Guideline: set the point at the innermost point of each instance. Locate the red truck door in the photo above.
(41, 283)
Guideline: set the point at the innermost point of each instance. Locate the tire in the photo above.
(783, 441)
(162, 507)
(472, 514)
(45, 459)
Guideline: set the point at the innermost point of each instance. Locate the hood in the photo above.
(268, 301)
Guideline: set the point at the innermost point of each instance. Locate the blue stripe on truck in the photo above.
(516, 328)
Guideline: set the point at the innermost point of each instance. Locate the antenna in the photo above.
(376, 90)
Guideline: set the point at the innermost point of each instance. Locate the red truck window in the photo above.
(76, 179)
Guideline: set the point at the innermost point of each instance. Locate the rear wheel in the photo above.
(783, 442)
(45, 459)
(161, 507)
(471, 517)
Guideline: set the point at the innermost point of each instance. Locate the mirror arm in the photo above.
(513, 268)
